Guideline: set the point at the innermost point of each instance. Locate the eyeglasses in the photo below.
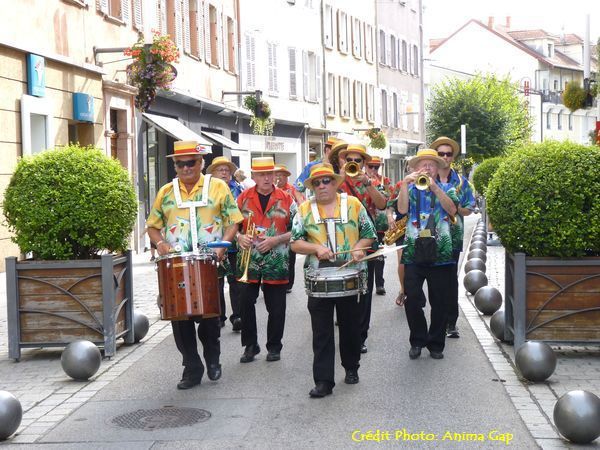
(356, 160)
(187, 163)
(223, 169)
(447, 154)
(372, 167)
(324, 180)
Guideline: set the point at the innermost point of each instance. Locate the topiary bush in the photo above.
(484, 173)
(543, 200)
(70, 203)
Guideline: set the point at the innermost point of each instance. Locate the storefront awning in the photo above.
(176, 129)
(219, 139)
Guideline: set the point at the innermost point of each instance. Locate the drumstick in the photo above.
(346, 264)
(349, 251)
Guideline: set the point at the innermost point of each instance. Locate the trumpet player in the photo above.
(428, 252)
(448, 149)
(263, 259)
(358, 184)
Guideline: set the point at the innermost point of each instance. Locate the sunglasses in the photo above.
(324, 180)
(356, 160)
(448, 154)
(372, 167)
(188, 163)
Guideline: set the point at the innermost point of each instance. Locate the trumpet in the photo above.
(393, 234)
(422, 182)
(352, 169)
(247, 253)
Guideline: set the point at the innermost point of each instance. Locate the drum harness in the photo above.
(330, 223)
(192, 207)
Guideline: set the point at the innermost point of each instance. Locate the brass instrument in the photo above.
(352, 169)
(422, 182)
(247, 253)
(393, 234)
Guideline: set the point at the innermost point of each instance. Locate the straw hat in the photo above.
(221, 161)
(187, 148)
(356, 148)
(322, 170)
(282, 168)
(427, 153)
(263, 164)
(331, 141)
(376, 161)
(335, 150)
(443, 140)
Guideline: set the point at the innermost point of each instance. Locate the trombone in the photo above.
(245, 254)
(352, 169)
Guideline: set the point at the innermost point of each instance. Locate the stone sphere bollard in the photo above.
(474, 280)
(477, 254)
(479, 239)
(11, 414)
(474, 264)
(535, 360)
(497, 324)
(141, 325)
(81, 360)
(481, 233)
(488, 300)
(478, 245)
(577, 416)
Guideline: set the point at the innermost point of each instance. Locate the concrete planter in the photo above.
(552, 299)
(53, 303)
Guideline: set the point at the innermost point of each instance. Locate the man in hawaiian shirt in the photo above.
(448, 149)
(332, 226)
(299, 185)
(173, 225)
(271, 210)
(429, 213)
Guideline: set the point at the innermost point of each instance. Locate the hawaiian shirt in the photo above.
(359, 190)
(383, 185)
(270, 267)
(304, 175)
(359, 226)
(235, 188)
(290, 190)
(466, 199)
(441, 221)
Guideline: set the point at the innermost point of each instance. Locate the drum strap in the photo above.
(192, 206)
(330, 222)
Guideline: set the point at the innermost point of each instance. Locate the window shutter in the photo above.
(187, 41)
(225, 41)
(389, 98)
(318, 80)
(207, 51)
(125, 11)
(178, 38)
(249, 62)
(234, 62)
(102, 5)
(219, 38)
(162, 16)
(275, 81)
(200, 24)
(305, 75)
(292, 67)
(137, 15)
(356, 103)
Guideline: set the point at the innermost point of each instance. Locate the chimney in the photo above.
(491, 22)
(507, 23)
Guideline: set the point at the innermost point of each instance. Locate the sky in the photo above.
(442, 17)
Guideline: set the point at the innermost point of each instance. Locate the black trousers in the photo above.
(453, 302)
(291, 270)
(234, 297)
(274, 301)
(439, 282)
(323, 342)
(209, 332)
(365, 301)
(379, 264)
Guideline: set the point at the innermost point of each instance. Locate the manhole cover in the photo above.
(166, 417)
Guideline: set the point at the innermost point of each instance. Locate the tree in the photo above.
(496, 116)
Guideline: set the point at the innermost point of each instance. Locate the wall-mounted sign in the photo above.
(83, 107)
(36, 75)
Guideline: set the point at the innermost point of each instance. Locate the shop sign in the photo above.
(83, 107)
(36, 75)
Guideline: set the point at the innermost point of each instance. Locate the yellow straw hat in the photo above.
(263, 164)
(427, 153)
(322, 170)
(187, 148)
(356, 148)
(282, 168)
(221, 161)
(443, 140)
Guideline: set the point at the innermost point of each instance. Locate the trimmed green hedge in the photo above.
(484, 173)
(70, 203)
(544, 200)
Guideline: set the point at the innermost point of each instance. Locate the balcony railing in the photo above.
(552, 97)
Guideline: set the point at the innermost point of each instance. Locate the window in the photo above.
(175, 22)
(331, 95)
(392, 52)
(193, 33)
(357, 38)
(570, 121)
(311, 76)
(560, 113)
(214, 35)
(250, 61)
(272, 65)
(395, 123)
(548, 118)
(36, 124)
(384, 108)
(415, 60)
(368, 38)
(371, 103)
(292, 66)
(404, 56)
(328, 27)
(342, 27)
(556, 85)
(114, 9)
(382, 47)
(550, 50)
(345, 100)
(358, 100)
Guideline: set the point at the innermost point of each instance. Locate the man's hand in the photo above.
(244, 241)
(163, 248)
(357, 255)
(391, 222)
(267, 244)
(221, 253)
(324, 253)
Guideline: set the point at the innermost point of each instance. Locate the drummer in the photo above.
(324, 225)
(170, 227)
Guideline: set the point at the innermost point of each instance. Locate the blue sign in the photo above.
(36, 75)
(83, 107)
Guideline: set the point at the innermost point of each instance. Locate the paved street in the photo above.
(473, 393)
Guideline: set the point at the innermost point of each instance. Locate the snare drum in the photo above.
(334, 282)
(188, 286)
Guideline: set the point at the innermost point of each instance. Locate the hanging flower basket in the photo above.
(152, 67)
(377, 138)
(260, 120)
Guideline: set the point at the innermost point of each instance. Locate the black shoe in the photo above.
(436, 355)
(250, 352)
(288, 290)
(214, 371)
(190, 378)
(320, 390)
(380, 290)
(414, 352)
(222, 323)
(363, 348)
(237, 324)
(351, 376)
(452, 333)
(273, 356)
